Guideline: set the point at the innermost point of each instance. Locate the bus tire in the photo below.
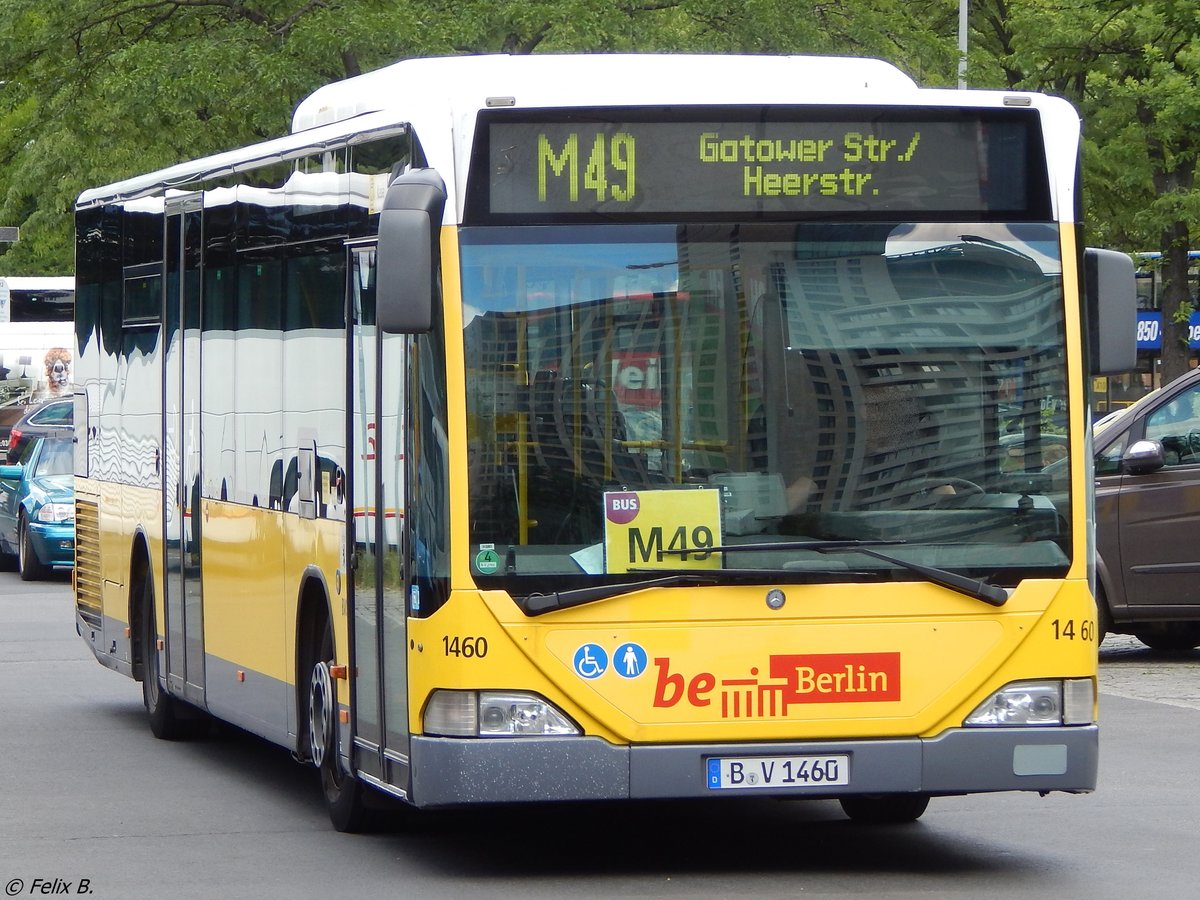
(28, 564)
(344, 794)
(170, 720)
(885, 809)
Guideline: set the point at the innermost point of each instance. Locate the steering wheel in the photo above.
(934, 489)
(1192, 442)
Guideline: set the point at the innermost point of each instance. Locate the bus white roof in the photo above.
(532, 81)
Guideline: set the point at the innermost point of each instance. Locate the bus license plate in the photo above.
(757, 772)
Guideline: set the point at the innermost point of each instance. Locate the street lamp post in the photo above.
(962, 44)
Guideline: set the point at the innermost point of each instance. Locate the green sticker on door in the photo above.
(487, 560)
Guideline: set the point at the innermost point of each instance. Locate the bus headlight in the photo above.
(494, 714)
(1025, 703)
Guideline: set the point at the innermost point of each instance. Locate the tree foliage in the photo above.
(1132, 69)
(98, 90)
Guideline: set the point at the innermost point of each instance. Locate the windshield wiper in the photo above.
(536, 604)
(980, 590)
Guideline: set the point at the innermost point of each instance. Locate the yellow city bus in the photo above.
(557, 428)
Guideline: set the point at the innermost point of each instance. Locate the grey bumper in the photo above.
(450, 772)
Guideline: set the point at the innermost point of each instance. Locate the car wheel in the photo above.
(30, 567)
(1104, 621)
(1171, 637)
(885, 809)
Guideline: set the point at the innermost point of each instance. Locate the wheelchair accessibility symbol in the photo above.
(590, 661)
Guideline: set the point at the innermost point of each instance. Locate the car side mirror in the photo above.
(1143, 457)
(11, 473)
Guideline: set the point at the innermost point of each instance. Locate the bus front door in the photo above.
(378, 372)
(181, 450)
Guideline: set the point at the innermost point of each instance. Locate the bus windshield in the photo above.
(898, 382)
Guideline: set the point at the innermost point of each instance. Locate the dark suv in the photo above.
(54, 417)
(1148, 518)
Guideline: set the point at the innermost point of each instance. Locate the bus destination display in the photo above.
(557, 168)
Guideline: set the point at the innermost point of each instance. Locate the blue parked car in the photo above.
(37, 507)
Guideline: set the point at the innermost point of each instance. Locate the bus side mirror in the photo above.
(1108, 281)
(407, 253)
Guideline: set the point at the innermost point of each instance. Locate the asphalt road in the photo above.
(91, 799)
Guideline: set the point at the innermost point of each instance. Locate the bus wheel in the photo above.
(169, 720)
(885, 809)
(343, 792)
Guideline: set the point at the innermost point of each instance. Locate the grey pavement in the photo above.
(1130, 669)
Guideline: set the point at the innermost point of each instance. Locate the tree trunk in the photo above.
(1176, 302)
